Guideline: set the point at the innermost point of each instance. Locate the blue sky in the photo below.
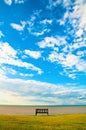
(43, 52)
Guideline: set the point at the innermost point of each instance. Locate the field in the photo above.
(43, 122)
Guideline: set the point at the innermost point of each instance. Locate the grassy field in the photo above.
(54, 122)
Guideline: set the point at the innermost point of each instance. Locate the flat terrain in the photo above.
(52, 122)
(27, 110)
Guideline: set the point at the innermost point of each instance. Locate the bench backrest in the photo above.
(41, 111)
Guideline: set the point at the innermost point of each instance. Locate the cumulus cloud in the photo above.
(66, 45)
(7, 70)
(68, 49)
(36, 26)
(18, 27)
(26, 75)
(2, 73)
(37, 30)
(9, 2)
(67, 55)
(79, 32)
(52, 3)
(7, 51)
(33, 54)
(70, 62)
(47, 42)
(52, 42)
(1, 34)
(8, 55)
(19, 1)
(46, 21)
(40, 33)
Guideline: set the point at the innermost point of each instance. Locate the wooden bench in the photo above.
(42, 111)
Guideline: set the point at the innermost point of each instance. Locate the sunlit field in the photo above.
(43, 122)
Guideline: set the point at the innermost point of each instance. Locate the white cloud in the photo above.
(70, 63)
(79, 13)
(33, 54)
(1, 34)
(29, 92)
(79, 32)
(62, 21)
(70, 60)
(72, 76)
(14, 98)
(47, 42)
(9, 2)
(2, 73)
(52, 42)
(7, 51)
(81, 53)
(26, 75)
(52, 3)
(40, 33)
(19, 1)
(77, 45)
(9, 56)
(8, 70)
(56, 57)
(38, 28)
(46, 21)
(63, 54)
(81, 66)
(83, 16)
(69, 54)
(76, 17)
(18, 27)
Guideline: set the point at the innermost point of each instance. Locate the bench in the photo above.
(43, 111)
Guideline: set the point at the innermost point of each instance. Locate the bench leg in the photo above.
(36, 113)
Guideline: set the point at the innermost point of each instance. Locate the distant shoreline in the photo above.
(53, 110)
(44, 105)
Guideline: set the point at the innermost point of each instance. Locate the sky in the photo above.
(42, 52)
